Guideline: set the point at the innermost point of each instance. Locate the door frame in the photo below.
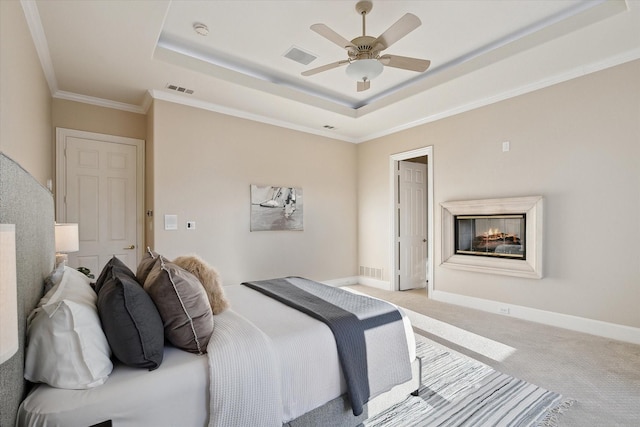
(393, 166)
(61, 173)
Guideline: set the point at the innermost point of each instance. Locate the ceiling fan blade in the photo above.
(401, 28)
(363, 85)
(324, 68)
(406, 63)
(332, 36)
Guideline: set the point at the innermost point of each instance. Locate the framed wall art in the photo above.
(276, 208)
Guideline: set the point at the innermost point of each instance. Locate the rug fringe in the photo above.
(551, 419)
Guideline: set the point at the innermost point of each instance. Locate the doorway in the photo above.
(412, 206)
(99, 186)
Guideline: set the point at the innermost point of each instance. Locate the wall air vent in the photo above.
(179, 89)
(300, 56)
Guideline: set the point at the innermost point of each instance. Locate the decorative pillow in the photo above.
(130, 319)
(209, 278)
(66, 347)
(146, 264)
(183, 306)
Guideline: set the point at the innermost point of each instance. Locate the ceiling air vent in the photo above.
(300, 56)
(179, 89)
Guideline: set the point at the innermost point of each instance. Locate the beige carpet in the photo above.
(602, 375)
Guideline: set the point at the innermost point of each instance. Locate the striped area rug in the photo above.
(460, 391)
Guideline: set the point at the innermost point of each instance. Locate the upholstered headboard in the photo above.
(27, 204)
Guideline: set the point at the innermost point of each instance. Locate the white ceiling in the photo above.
(122, 53)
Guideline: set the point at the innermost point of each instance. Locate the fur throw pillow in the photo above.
(209, 278)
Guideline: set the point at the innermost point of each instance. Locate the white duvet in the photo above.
(305, 351)
(307, 375)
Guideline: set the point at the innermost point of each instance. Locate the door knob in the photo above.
(424, 240)
(130, 247)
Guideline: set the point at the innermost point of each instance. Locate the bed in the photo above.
(264, 359)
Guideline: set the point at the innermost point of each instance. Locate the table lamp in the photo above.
(66, 241)
(8, 293)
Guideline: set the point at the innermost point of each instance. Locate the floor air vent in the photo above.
(375, 273)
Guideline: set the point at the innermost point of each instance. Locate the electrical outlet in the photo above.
(191, 225)
(505, 146)
(504, 310)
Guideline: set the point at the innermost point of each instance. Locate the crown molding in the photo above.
(100, 102)
(204, 105)
(196, 103)
(34, 23)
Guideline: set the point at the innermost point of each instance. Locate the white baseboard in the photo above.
(374, 283)
(345, 281)
(359, 280)
(574, 323)
(566, 321)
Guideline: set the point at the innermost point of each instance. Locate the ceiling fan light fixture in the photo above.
(364, 69)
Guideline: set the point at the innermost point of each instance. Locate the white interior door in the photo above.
(412, 226)
(99, 187)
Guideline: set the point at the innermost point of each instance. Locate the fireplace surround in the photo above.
(498, 236)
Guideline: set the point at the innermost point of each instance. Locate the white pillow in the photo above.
(66, 347)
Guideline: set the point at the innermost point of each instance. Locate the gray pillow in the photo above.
(183, 306)
(146, 264)
(129, 317)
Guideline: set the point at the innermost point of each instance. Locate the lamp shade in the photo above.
(67, 238)
(364, 69)
(8, 293)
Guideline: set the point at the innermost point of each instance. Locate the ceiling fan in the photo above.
(364, 59)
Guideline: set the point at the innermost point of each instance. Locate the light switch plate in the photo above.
(171, 222)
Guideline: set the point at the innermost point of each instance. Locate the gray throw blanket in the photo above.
(369, 333)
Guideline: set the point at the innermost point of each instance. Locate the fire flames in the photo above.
(491, 232)
(492, 238)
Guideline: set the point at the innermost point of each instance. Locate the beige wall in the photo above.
(578, 145)
(91, 118)
(204, 164)
(25, 99)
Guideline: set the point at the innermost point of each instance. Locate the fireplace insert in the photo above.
(496, 236)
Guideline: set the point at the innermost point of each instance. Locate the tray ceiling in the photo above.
(121, 53)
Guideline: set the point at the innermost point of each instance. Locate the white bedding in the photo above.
(306, 349)
(177, 393)
(310, 369)
(131, 397)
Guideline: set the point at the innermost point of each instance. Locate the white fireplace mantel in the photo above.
(531, 267)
